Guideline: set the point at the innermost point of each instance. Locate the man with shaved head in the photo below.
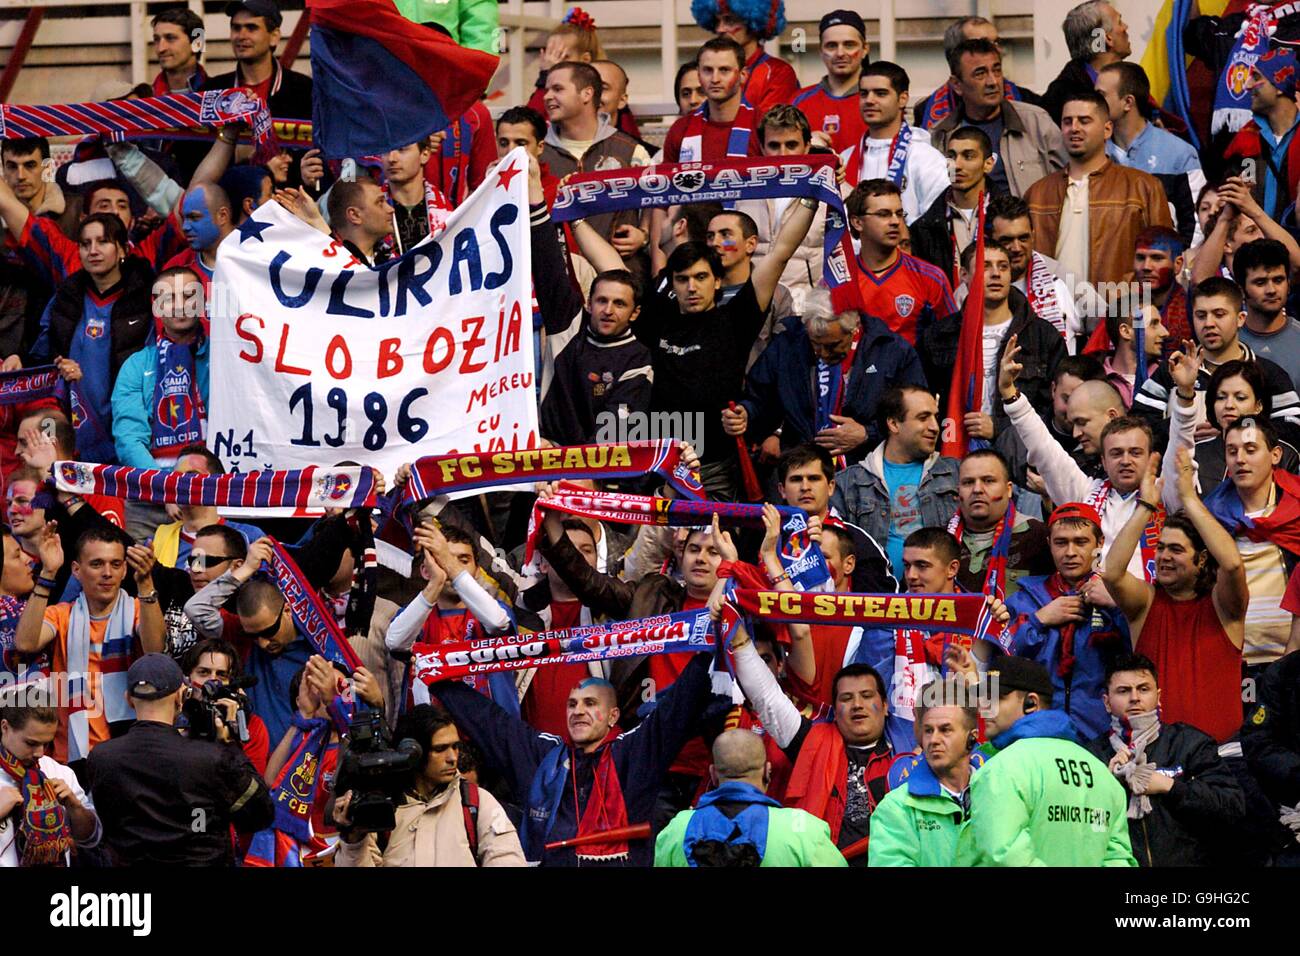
(736, 824)
(207, 217)
(599, 781)
(1124, 442)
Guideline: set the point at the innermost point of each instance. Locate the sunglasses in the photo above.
(266, 633)
(204, 561)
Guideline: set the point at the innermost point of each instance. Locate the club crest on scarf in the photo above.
(75, 473)
(336, 487)
(688, 180)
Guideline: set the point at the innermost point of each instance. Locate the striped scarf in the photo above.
(995, 575)
(310, 487)
(1098, 498)
(119, 118)
(44, 833)
(742, 129)
(1040, 290)
(29, 384)
(114, 659)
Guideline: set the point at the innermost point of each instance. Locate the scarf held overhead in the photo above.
(768, 177)
(313, 620)
(799, 555)
(312, 487)
(439, 474)
(121, 118)
(683, 631)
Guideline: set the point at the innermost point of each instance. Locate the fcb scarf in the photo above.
(29, 384)
(1040, 290)
(731, 180)
(438, 474)
(941, 103)
(299, 780)
(832, 383)
(121, 118)
(44, 831)
(1231, 99)
(605, 810)
(1098, 498)
(310, 487)
(995, 575)
(683, 631)
(179, 416)
(931, 613)
(311, 617)
(1282, 527)
(801, 557)
(742, 129)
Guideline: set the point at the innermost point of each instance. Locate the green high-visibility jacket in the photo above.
(917, 824)
(794, 838)
(471, 23)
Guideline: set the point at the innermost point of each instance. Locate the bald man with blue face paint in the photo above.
(206, 219)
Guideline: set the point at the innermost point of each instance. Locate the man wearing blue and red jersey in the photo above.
(903, 291)
(832, 105)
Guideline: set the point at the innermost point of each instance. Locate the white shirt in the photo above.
(924, 178)
(53, 770)
(993, 336)
(1072, 241)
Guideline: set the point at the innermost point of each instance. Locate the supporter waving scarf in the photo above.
(44, 832)
(310, 616)
(732, 180)
(439, 474)
(995, 575)
(799, 555)
(120, 118)
(311, 487)
(1231, 98)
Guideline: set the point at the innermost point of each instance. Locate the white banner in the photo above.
(317, 358)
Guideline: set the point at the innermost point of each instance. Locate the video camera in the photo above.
(376, 773)
(202, 712)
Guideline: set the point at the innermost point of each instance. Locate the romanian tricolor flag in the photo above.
(380, 82)
(1165, 62)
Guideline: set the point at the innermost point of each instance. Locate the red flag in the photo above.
(967, 388)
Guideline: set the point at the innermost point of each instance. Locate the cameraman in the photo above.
(167, 800)
(216, 660)
(443, 818)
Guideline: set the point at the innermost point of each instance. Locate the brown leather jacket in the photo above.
(1121, 203)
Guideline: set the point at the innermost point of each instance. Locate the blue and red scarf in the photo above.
(799, 555)
(605, 809)
(730, 180)
(945, 98)
(44, 831)
(738, 137)
(311, 617)
(29, 384)
(179, 416)
(995, 573)
(310, 487)
(122, 118)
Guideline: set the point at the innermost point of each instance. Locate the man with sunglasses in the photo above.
(173, 542)
(215, 549)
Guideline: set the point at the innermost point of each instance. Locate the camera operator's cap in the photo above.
(157, 673)
(1020, 673)
(267, 9)
(1076, 510)
(842, 18)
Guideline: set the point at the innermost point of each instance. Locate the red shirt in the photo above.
(908, 290)
(1291, 599)
(469, 161)
(772, 81)
(713, 140)
(837, 116)
(1199, 666)
(545, 704)
(694, 758)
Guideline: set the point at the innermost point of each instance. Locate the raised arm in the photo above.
(12, 210)
(768, 270)
(1231, 596)
(802, 660)
(1184, 413)
(595, 248)
(32, 632)
(1132, 595)
(1210, 254)
(1238, 194)
(153, 631)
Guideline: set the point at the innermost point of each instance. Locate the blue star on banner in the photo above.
(252, 229)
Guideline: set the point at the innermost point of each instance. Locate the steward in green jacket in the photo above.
(1041, 799)
(918, 822)
(736, 824)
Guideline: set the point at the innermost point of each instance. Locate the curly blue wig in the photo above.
(765, 18)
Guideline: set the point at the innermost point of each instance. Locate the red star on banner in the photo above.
(505, 175)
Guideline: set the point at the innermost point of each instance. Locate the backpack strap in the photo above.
(469, 806)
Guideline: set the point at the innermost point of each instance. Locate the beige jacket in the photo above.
(433, 834)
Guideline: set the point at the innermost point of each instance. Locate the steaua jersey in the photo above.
(906, 292)
(837, 116)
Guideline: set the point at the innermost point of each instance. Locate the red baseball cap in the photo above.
(1077, 510)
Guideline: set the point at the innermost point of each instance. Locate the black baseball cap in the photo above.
(1020, 673)
(158, 672)
(842, 18)
(267, 9)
